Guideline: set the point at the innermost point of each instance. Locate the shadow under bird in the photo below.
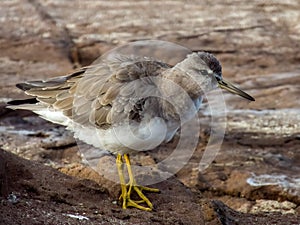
(116, 94)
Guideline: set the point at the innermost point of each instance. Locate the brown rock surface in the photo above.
(29, 196)
(255, 171)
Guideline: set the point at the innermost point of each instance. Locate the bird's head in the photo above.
(214, 69)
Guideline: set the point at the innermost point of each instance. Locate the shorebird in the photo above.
(116, 96)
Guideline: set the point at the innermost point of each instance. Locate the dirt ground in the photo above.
(253, 180)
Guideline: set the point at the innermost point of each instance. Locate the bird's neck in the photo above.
(179, 94)
(179, 82)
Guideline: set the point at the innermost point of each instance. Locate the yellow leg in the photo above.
(132, 185)
(119, 163)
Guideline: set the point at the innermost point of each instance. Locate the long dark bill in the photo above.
(231, 88)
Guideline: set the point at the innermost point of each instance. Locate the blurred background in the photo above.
(257, 42)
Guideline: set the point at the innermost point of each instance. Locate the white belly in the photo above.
(124, 138)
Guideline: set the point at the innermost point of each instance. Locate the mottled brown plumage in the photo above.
(125, 89)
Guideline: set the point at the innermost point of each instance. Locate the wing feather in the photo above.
(97, 95)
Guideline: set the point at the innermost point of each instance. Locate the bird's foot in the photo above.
(128, 189)
(125, 196)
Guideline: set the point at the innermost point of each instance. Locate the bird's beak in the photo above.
(231, 88)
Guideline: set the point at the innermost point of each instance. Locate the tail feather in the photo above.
(47, 96)
(27, 104)
(31, 107)
(48, 84)
(23, 101)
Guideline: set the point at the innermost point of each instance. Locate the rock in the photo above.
(32, 193)
(284, 207)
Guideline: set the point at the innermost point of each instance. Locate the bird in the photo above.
(127, 103)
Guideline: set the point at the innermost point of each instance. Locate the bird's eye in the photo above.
(204, 72)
